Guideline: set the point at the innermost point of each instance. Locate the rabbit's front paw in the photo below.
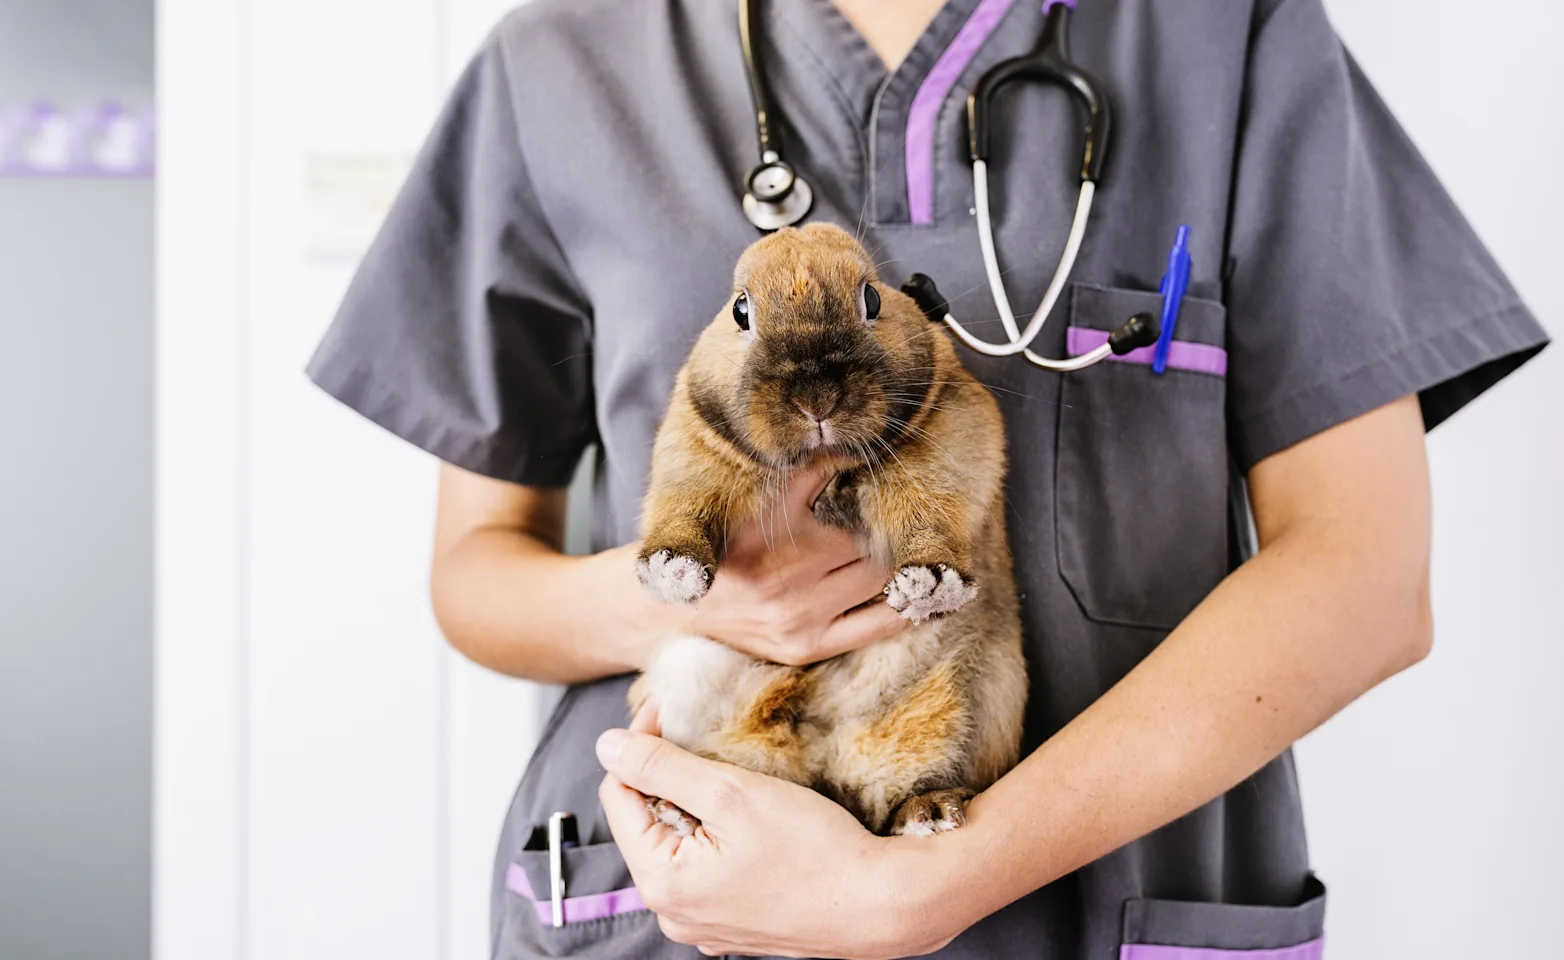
(673, 577)
(921, 593)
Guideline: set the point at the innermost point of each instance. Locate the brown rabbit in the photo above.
(813, 361)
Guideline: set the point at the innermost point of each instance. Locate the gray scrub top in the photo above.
(572, 224)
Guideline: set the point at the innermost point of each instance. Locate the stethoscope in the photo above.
(775, 196)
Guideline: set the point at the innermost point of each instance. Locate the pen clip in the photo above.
(561, 835)
(1174, 282)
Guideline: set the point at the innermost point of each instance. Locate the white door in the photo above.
(331, 777)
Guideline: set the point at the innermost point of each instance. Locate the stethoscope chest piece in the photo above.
(775, 196)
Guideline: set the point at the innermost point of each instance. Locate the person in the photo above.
(570, 227)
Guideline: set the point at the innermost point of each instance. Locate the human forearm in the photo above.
(512, 603)
(1335, 602)
(509, 598)
(1287, 642)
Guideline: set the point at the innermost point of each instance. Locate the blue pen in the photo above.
(1174, 282)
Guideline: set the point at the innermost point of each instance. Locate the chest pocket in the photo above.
(1141, 472)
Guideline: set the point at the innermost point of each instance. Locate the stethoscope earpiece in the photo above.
(1141, 330)
(920, 287)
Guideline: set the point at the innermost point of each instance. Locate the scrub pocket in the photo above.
(1177, 930)
(604, 916)
(1141, 476)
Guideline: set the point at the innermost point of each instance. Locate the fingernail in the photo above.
(610, 745)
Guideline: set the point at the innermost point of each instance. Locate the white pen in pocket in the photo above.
(561, 836)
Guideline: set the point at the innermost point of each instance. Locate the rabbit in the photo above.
(814, 361)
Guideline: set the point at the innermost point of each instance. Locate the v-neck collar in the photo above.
(897, 111)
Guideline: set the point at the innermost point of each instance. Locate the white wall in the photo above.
(1433, 803)
(331, 778)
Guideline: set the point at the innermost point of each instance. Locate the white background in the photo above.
(1433, 804)
(331, 779)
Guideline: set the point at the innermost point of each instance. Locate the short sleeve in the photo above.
(1353, 279)
(462, 330)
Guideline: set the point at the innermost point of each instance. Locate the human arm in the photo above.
(1335, 601)
(509, 598)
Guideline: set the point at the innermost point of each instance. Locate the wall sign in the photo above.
(346, 197)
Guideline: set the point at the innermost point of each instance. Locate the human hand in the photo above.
(733, 886)
(793, 590)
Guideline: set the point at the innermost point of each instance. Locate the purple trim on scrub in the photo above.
(1313, 950)
(930, 97)
(1048, 4)
(577, 909)
(1182, 355)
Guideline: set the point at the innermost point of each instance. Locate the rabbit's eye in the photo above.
(871, 302)
(741, 311)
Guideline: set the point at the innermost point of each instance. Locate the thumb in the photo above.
(657, 768)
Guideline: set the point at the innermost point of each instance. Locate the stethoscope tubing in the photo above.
(1020, 341)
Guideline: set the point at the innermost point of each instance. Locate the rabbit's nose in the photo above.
(819, 404)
